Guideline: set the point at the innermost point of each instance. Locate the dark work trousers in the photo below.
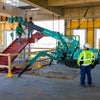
(30, 33)
(85, 70)
(19, 38)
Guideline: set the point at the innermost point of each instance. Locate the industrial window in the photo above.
(11, 1)
(97, 38)
(16, 3)
(82, 34)
(8, 37)
(49, 42)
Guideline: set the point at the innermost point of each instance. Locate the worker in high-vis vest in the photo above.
(85, 60)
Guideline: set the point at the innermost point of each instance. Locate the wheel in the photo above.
(67, 62)
(71, 63)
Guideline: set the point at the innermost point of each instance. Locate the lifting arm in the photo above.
(39, 54)
(44, 31)
(68, 45)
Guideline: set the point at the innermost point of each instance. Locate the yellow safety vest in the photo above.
(85, 58)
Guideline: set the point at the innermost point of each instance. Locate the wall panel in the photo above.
(88, 24)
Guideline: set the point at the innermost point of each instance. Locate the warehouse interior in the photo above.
(38, 68)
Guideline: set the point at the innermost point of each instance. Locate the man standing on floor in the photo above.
(85, 60)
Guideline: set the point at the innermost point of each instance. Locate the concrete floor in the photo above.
(36, 87)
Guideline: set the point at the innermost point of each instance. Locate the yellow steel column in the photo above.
(90, 33)
(69, 27)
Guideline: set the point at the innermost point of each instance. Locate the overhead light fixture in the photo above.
(35, 9)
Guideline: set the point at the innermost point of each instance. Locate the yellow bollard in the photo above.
(9, 75)
(39, 65)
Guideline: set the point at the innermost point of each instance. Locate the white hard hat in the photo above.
(86, 45)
